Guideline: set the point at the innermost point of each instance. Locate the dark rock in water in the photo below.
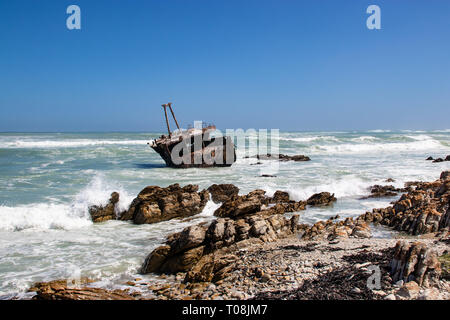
(241, 205)
(280, 196)
(104, 213)
(415, 262)
(62, 290)
(378, 191)
(429, 158)
(321, 199)
(267, 176)
(222, 192)
(389, 180)
(444, 175)
(280, 157)
(447, 158)
(155, 204)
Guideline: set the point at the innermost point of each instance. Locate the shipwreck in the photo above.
(194, 147)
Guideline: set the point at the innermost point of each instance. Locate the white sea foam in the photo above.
(420, 144)
(346, 187)
(52, 215)
(16, 144)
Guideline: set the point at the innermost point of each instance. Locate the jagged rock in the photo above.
(438, 160)
(104, 213)
(281, 157)
(241, 205)
(199, 248)
(321, 199)
(447, 158)
(222, 192)
(429, 158)
(155, 204)
(409, 290)
(280, 196)
(444, 175)
(61, 290)
(378, 191)
(422, 210)
(415, 262)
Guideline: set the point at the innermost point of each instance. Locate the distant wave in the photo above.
(418, 145)
(66, 143)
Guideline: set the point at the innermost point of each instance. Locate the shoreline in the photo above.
(277, 262)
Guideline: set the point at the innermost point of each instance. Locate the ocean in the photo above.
(48, 181)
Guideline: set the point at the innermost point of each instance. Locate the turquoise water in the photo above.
(48, 180)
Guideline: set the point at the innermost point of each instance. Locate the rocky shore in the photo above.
(251, 250)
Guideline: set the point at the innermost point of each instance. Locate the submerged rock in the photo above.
(155, 204)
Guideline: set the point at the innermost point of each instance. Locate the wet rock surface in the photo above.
(104, 213)
(447, 158)
(155, 204)
(252, 251)
(422, 210)
(64, 290)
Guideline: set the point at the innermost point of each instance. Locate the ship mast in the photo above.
(173, 115)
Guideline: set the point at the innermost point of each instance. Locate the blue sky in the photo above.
(292, 65)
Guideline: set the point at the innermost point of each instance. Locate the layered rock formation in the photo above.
(222, 192)
(422, 210)
(62, 290)
(155, 204)
(415, 262)
(205, 251)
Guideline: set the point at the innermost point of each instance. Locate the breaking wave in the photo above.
(44, 216)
